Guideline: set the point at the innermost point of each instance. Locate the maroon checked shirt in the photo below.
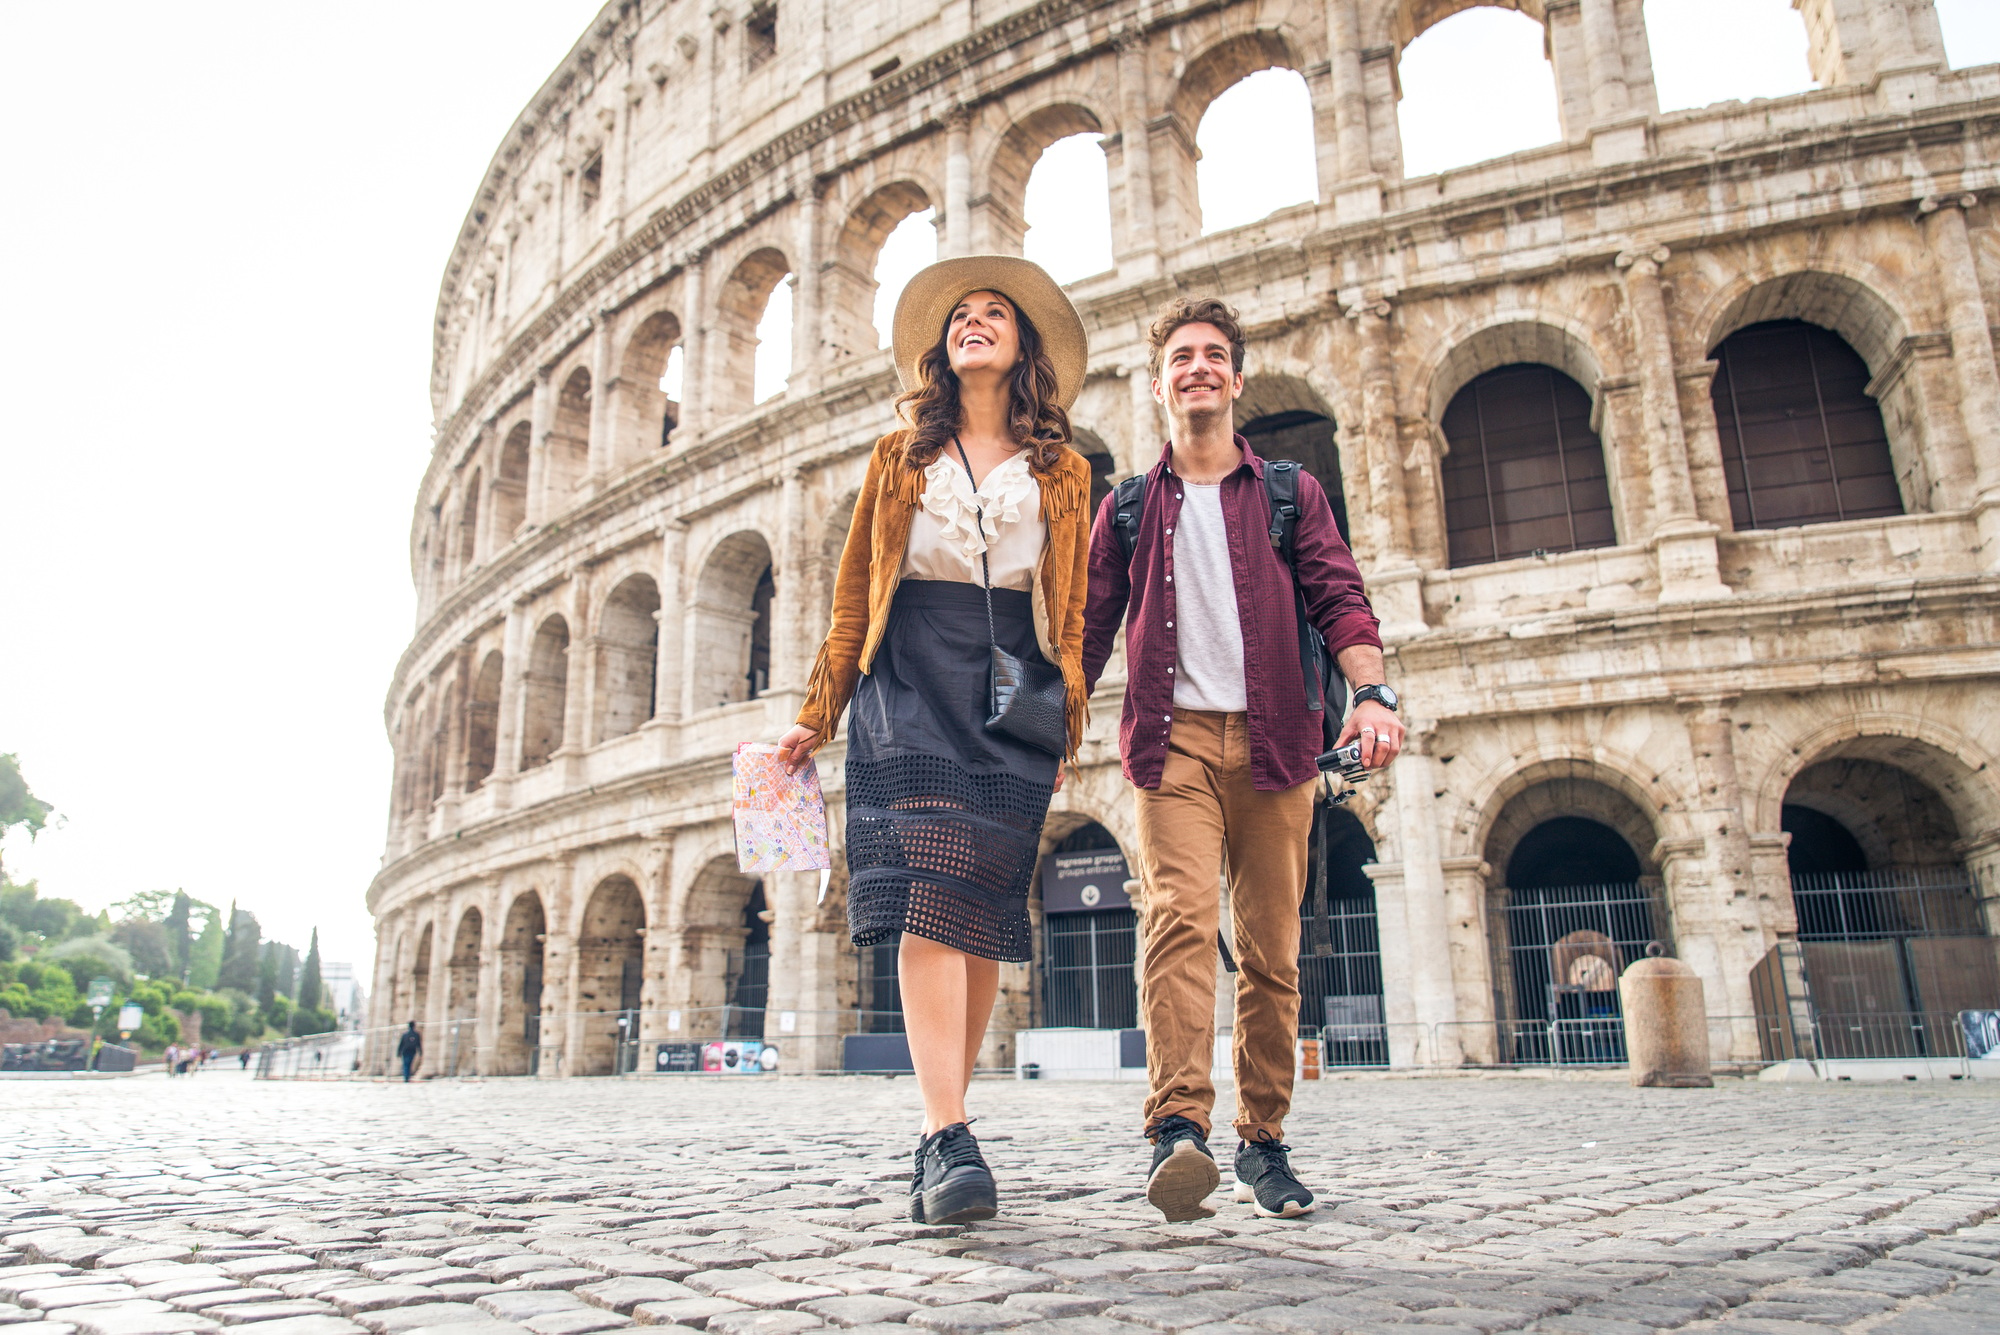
(1284, 734)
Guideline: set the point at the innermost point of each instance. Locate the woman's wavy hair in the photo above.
(1034, 418)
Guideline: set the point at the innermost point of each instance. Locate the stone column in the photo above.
(1704, 444)
(1969, 323)
(1418, 999)
(1136, 153)
(1465, 896)
(540, 414)
(1717, 918)
(558, 974)
(1981, 854)
(1394, 582)
(694, 353)
(579, 678)
(1350, 95)
(486, 1030)
(807, 349)
(437, 1009)
(1683, 545)
(667, 683)
(955, 232)
(1609, 97)
(657, 865)
(603, 448)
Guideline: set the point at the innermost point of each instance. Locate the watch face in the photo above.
(1386, 695)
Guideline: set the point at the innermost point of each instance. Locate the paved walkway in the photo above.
(749, 1205)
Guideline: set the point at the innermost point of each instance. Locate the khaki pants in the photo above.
(1206, 816)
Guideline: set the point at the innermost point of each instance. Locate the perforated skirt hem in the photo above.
(944, 818)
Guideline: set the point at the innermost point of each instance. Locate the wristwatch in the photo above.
(1384, 696)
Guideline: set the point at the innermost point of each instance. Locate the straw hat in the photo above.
(928, 300)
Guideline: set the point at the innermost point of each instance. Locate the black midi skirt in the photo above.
(943, 817)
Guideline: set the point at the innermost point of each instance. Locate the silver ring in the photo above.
(1369, 731)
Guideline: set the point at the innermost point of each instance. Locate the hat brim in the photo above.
(928, 300)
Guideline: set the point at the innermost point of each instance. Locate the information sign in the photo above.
(130, 1017)
(98, 995)
(1085, 882)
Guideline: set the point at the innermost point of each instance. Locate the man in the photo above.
(410, 1047)
(1220, 746)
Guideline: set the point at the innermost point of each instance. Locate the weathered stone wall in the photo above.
(550, 745)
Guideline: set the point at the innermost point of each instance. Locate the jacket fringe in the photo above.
(1066, 489)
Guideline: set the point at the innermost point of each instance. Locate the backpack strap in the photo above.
(1281, 489)
(1128, 507)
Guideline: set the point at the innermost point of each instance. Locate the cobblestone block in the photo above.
(57, 1296)
(314, 1283)
(948, 1295)
(763, 1323)
(419, 1316)
(1320, 1318)
(1931, 1321)
(691, 1311)
(969, 1318)
(582, 1321)
(562, 1277)
(861, 1281)
(168, 1290)
(138, 1323)
(859, 1309)
(754, 1289)
(238, 1314)
(515, 1305)
(149, 1253)
(1183, 1313)
(1052, 1306)
(622, 1295)
(201, 1302)
(378, 1297)
(795, 1247)
(309, 1325)
(1483, 1319)
(43, 1328)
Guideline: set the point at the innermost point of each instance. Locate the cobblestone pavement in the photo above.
(749, 1205)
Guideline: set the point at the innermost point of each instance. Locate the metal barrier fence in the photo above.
(730, 1042)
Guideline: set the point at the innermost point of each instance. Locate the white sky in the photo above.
(225, 237)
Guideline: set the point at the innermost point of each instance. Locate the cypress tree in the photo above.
(309, 980)
(179, 939)
(205, 956)
(267, 973)
(239, 955)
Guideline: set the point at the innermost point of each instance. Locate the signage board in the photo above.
(130, 1016)
(1982, 1034)
(1085, 882)
(98, 996)
(677, 1058)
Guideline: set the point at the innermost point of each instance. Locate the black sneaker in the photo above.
(917, 1186)
(1264, 1178)
(956, 1186)
(1183, 1171)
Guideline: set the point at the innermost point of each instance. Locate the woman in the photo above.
(978, 489)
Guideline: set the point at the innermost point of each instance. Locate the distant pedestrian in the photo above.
(243, 1060)
(410, 1047)
(171, 1056)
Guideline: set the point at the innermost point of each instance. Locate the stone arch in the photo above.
(568, 460)
(627, 645)
(646, 416)
(731, 635)
(1002, 223)
(1403, 21)
(462, 972)
(545, 693)
(523, 935)
(1957, 769)
(1283, 417)
(482, 721)
(1429, 132)
(1505, 339)
(610, 954)
(847, 282)
(1855, 309)
(739, 308)
(468, 523)
(1208, 74)
(715, 930)
(420, 979)
(510, 485)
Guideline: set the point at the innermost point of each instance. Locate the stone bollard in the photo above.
(1666, 1024)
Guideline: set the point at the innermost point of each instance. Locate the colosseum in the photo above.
(1671, 450)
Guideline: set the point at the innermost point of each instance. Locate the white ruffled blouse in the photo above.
(950, 544)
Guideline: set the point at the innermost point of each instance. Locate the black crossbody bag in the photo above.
(1026, 701)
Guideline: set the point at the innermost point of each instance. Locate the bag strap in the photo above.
(1281, 489)
(1319, 927)
(1127, 508)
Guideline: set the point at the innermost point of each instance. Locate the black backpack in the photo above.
(1325, 688)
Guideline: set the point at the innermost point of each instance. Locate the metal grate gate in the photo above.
(1567, 945)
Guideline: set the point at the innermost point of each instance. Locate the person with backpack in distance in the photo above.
(410, 1050)
(957, 632)
(1227, 572)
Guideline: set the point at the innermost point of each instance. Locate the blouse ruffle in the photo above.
(949, 495)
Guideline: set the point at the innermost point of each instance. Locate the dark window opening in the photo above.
(590, 183)
(1526, 473)
(886, 68)
(750, 973)
(760, 34)
(1308, 438)
(882, 988)
(1088, 956)
(1101, 482)
(1802, 443)
(759, 675)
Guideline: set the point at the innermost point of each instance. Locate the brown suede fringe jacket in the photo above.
(871, 566)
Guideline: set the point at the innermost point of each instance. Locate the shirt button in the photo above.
(1170, 669)
(1170, 530)
(1170, 579)
(1170, 625)
(1166, 718)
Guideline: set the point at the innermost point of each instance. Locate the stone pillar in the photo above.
(1666, 1025)
(1856, 41)
(1609, 97)
(656, 963)
(1418, 997)
(1394, 582)
(667, 675)
(1704, 445)
(694, 353)
(1716, 912)
(1358, 194)
(1136, 154)
(603, 447)
(807, 352)
(540, 414)
(1968, 321)
(1981, 855)
(486, 1029)
(580, 677)
(1683, 545)
(791, 644)
(1465, 898)
(437, 1007)
(955, 227)
(558, 975)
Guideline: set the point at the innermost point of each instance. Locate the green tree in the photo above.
(278, 1013)
(180, 935)
(309, 980)
(239, 953)
(20, 809)
(146, 942)
(87, 957)
(10, 941)
(205, 956)
(267, 973)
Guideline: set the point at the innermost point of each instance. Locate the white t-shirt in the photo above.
(1208, 671)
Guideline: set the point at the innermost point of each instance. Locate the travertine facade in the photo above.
(604, 616)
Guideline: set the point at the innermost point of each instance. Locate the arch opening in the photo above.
(1273, 109)
(1066, 208)
(510, 485)
(460, 1055)
(568, 459)
(468, 524)
(1579, 900)
(1803, 441)
(1490, 57)
(546, 693)
(420, 980)
(728, 942)
(649, 385)
(628, 651)
(886, 238)
(518, 1046)
(482, 721)
(1289, 422)
(1526, 472)
(909, 247)
(1090, 933)
(611, 957)
(733, 606)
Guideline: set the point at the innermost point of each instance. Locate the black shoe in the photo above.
(956, 1185)
(1183, 1171)
(1264, 1178)
(917, 1187)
